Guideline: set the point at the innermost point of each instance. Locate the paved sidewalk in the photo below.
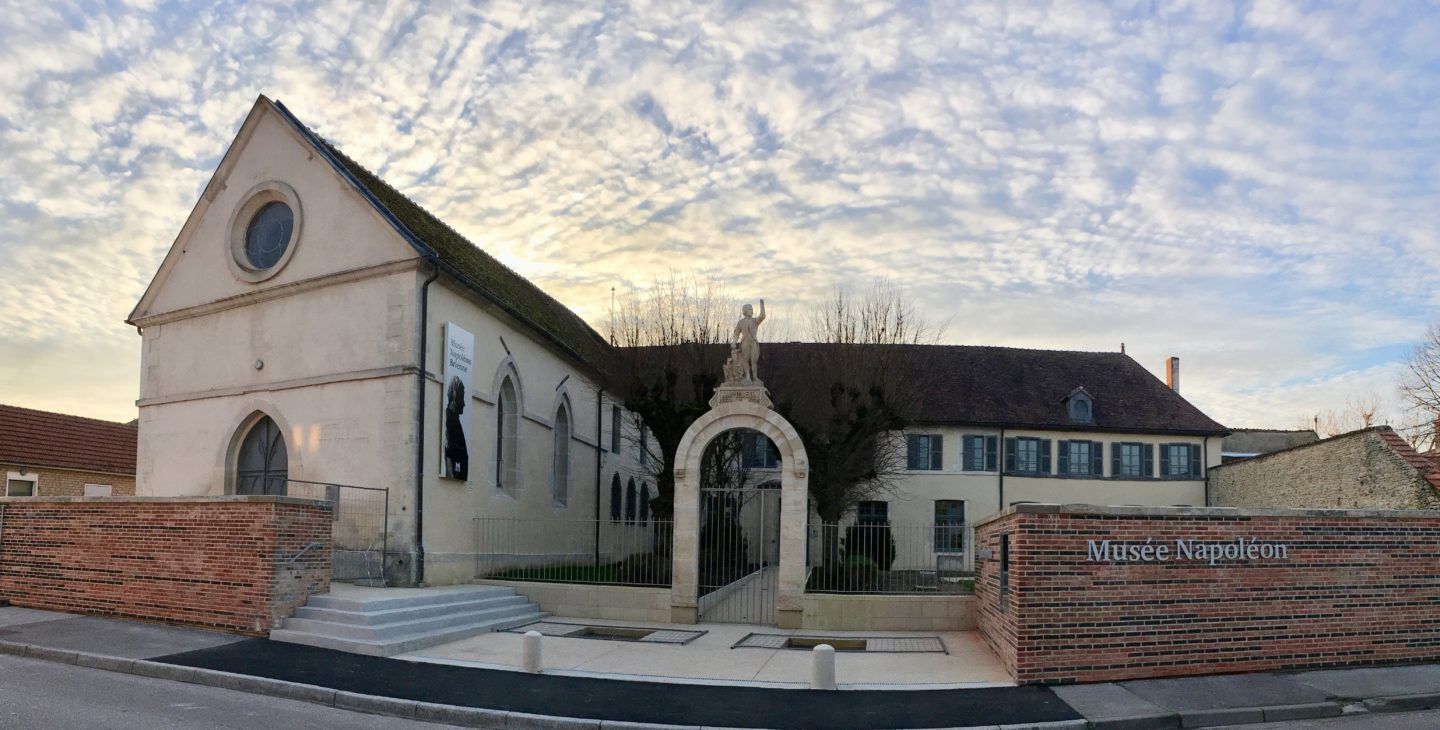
(476, 697)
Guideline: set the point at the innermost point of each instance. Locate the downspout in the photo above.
(1000, 468)
(599, 449)
(1205, 464)
(420, 427)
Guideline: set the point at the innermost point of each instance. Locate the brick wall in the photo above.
(1353, 588)
(70, 483)
(219, 562)
(1369, 469)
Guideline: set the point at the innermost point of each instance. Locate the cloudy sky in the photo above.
(1251, 186)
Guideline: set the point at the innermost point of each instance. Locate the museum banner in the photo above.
(455, 443)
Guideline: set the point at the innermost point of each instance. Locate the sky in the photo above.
(1251, 186)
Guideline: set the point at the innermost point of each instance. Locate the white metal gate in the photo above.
(739, 558)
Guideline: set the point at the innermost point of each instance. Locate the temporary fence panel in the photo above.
(360, 527)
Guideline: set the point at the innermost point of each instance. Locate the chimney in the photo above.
(1172, 373)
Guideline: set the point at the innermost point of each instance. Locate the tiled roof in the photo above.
(964, 385)
(1422, 463)
(43, 439)
(465, 261)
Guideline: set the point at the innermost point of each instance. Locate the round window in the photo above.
(264, 231)
(268, 235)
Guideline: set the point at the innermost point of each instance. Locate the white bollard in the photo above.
(530, 659)
(822, 667)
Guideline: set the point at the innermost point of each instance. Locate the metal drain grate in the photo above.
(866, 644)
(609, 633)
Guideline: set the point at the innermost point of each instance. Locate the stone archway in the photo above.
(794, 506)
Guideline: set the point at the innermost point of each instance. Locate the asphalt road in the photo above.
(39, 694)
(1366, 721)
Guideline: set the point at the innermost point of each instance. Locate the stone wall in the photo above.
(71, 483)
(233, 563)
(1369, 469)
(1351, 588)
(578, 600)
(848, 612)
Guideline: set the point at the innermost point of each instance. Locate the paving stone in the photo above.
(1105, 701)
(1236, 691)
(375, 705)
(524, 721)
(1374, 682)
(462, 716)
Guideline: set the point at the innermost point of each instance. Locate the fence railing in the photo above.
(886, 558)
(359, 527)
(573, 550)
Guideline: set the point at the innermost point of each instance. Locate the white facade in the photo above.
(326, 345)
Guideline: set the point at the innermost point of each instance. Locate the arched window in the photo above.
(262, 465)
(507, 436)
(560, 465)
(630, 502)
(617, 499)
(645, 503)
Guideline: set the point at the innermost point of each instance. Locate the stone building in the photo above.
(46, 454)
(302, 331)
(1373, 468)
(1245, 443)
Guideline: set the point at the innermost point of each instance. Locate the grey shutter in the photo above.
(1044, 456)
(991, 443)
(937, 452)
(1010, 454)
(1147, 464)
(1164, 460)
(1115, 451)
(1196, 468)
(1064, 457)
(912, 452)
(1097, 458)
(966, 463)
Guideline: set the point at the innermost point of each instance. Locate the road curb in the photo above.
(479, 717)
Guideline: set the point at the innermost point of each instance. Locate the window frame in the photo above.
(751, 448)
(507, 476)
(861, 518)
(947, 528)
(989, 453)
(254, 199)
(617, 428)
(934, 452)
(560, 459)
(1043, 456)
(15, 476)
(1193, 458)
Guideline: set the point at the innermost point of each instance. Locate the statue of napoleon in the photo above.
(744, 364)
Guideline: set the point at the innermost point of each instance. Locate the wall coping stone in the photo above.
(1126, 511)
(222, 499)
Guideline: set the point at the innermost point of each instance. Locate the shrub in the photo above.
(875, 542)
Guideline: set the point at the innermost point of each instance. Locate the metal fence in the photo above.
(608, 552)
(360, 528)
(886, 558)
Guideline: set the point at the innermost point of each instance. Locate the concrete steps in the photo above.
(385, 622)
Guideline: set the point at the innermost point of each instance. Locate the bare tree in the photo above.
(1420, 388)
(1361, 410)
(670, 339)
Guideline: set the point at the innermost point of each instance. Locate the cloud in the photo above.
(1250, 186)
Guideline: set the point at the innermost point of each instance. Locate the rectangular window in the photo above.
(978, 453)
(756, 452)
(1129, 460)
(1024, 455)
(1180, 461)
(21, 486)
(949, 526)
(617, 429)
(924, 452)
(99, 490)
(872, 512)
(1075, 457)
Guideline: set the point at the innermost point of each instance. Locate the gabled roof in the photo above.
(965, 385)
(463, 260)
(32, 438)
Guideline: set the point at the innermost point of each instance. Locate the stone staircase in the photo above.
(389, 621)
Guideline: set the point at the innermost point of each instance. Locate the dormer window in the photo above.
(1080, 407)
